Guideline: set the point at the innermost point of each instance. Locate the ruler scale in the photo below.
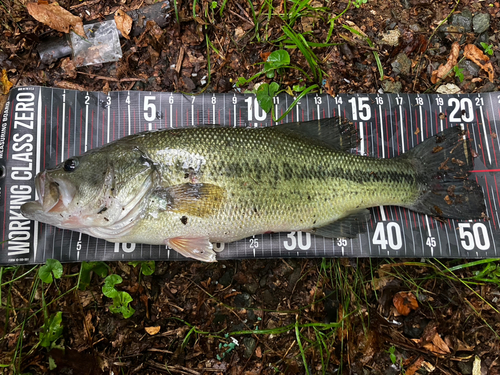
(42, 126)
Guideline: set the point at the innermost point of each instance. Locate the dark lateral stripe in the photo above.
(286, 171)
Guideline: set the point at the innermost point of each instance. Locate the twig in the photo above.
(90, 2)
(111, 78)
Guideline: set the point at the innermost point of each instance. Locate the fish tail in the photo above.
(443, 164)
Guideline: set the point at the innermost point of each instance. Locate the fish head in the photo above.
(97, 189)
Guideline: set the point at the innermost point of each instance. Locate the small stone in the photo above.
(463, 19)
(402, 64)
(470, 69)
(390, 86)
(250, 344)
(227, 278)
(251, 287)
(465, 367)
(449, 88)
(390, 38)
(481, 22)
(488, 87)
(242, 300)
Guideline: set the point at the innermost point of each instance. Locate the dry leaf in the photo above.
(69, 85)
(452, 61)
(56, 17)
(68, 66)
(405, 302)
(152, 330)
(472, 52)
(258, 352)
(415, 366)
(7, 85)
(123, 23)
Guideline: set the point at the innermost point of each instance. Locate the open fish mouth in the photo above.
(54, 195)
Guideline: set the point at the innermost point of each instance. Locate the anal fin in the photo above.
(199, 248)
(347, 227)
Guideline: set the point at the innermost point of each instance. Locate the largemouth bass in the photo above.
(188, 188)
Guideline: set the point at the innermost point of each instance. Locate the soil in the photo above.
(339, 315)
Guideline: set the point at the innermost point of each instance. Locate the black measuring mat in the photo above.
(42, 127)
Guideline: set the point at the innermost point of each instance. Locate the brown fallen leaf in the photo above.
(472, 52)
(69, 85)
(123, 23)
(445, 68)
(405, 302)
(152, 330)
(69, 68)
(7, 85)
(56, 17)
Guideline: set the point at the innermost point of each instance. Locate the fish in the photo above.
(192, 187)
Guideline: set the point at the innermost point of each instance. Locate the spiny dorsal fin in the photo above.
(335, 132)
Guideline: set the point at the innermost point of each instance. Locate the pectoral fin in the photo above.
(347, 227)
(199, 200)
(199, 248)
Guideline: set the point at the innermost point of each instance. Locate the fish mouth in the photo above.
(54, 195)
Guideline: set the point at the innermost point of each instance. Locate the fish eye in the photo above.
(70, 165)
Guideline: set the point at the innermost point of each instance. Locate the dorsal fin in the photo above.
(334, 132)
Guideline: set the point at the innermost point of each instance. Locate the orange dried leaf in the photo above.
(7, 85)
(56, 17)
(452, 61)
(123, 23)
(405, 302)
(472, 52)
(152, 330)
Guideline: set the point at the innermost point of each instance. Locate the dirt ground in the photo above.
(331, 316)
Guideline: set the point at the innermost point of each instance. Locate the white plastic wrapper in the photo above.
(102, 44)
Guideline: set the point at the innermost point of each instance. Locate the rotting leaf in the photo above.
(56, 18)
(152, 330)
(472, 52)
(443, 69)
(405, 302)
(7, 85)
(123, 23)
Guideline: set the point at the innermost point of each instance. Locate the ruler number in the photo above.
(399, 100)
(338, 99)
(254, 109)
(234, 100)
(149, 108)
(389, 235)
(379, 100)
(303, 240)
(126, 247)
(276, 100)
(478, 237)
(479, 102)
(170, 99)
(78, 245)
(254, 243)
(317, 100)
(462, 110)
(342, 242)
(87, 100)
(214, 100)
(419, 100)
(431, 242)
(360, 108)
(439, 101)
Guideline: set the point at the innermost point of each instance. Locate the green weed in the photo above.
(147, 267)
(359, 3)
(459, 73)
(121, 300)
(488, 48)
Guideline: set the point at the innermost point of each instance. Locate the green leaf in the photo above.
(51, 267)
(265, 93)
(108, 289)
(148, 268)
(241, 82)
(52, 364)
(278, 59)
(99, 268)
(298, 88)
(51, 330)
(121, 305)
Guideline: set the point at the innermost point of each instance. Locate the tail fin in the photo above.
(443, 165)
